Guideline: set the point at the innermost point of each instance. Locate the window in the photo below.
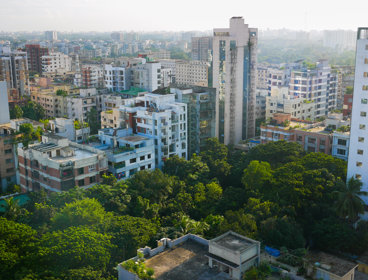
(133, 160)
(80, 170)
(360, 152)
(359, 164)
(91, 168)
(363, 114)
(365, 74)
(341, 152)
(341, 142)
(362, 126)
(361, 139)
(149, 166)
(8, 151)
(358, 176)
(365, 60)
(364, 87)
(322, 141)
(92, 179)
(364, 101)
(149, 156)
(141, 158)
(9, 160)
(81, 182)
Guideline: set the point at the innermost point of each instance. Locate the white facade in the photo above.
(147, 76)
(281, 102)
(358, 149)
(116, 78)
(51, 35)
(234, 77)
(127, 153)
(161, 118)
(65, 128)
(340, 145)
(194, 73)
(56, 63)
(4, 104)
(90, 76)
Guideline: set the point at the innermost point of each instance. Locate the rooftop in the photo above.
(331, 263)
(186, 261)
(233, 241)
(133, 138)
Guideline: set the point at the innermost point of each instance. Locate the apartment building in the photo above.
(90, 76)
(51, 36)
(193, 73)
(235, 78)
(14, 71)
(34, 55)
(340, 144)
(158, 117)
(318, 85)
(56, 63)
(262, 77)
(146, 76)
(202, 48)
(358, 162)
(313, 136)
(127, 153)
(57, 164)
(8, 158)
(280, 101)
(77, 132)
(116, 78)
(201, 115)
(260, 112)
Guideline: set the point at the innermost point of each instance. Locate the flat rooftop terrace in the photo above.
(186, 261)
(233, 242)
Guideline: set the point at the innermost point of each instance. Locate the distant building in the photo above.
(90, 76)
(117, 36)
(127, 153)
(35, 53)
(14, 71)
(193, 73)
(348, 105)
(202, 48)
(56, 63)
(235, 78)
(51, 36)
(191, 257)
(358, 150)
(57, 164)
(116, 78)
(339, 39)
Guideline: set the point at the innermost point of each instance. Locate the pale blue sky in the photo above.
(150, 15)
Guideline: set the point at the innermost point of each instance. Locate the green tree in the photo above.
(88, 212)
(16, 112)
(93, 120)
(257, 175)
(17, 242)
(61, 92)
(34, 111)
(349, 204)
(12, 210)
(73, 248)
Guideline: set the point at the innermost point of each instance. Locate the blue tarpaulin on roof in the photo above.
(273, 252)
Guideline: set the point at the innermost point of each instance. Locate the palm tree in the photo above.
(349, 204)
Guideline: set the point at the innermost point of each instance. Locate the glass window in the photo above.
(363, 114)
(362, 126)
(360, 152)
(341, 142)
(361, 139)
(359, 164)
(364, 101)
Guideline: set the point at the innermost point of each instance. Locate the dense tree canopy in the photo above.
(275, 193)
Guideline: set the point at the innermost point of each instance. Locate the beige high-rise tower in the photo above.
(234, 77)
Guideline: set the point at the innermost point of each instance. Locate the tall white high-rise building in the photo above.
(4, 103)
(358, 150)
(51, 35)
(235, 77)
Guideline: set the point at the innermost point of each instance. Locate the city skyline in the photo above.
(91, 15)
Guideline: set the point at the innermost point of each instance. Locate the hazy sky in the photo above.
(150, 15)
